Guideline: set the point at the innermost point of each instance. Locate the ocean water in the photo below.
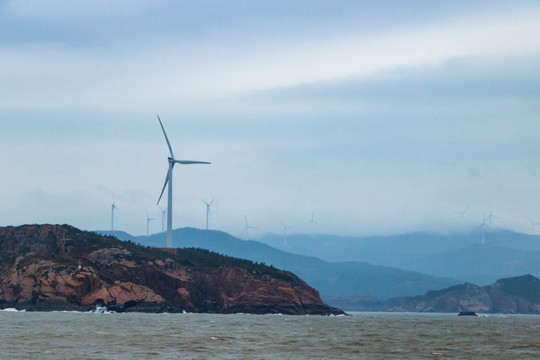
(71, 335)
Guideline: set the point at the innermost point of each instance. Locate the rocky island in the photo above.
(515, 295)
(59, 267)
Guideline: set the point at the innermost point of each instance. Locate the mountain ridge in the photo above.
(347, 278)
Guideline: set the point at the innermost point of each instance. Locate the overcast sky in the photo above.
(379, 117)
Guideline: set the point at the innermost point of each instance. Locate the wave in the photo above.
(101, 310)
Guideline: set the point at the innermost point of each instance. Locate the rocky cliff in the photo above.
(58, 267)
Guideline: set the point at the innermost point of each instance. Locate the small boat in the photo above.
(467, 313)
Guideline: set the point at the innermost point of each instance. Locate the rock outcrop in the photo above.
(58, 267)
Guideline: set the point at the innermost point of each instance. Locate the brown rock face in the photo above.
(53, 267)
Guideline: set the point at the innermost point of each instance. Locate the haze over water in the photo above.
(70, 335)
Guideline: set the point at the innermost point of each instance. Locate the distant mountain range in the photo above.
(330, 278)
(457, 256)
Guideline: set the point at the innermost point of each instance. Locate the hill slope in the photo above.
(341, 279)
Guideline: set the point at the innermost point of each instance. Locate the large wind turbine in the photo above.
(208, 211)
(168, 181)
(113, 207)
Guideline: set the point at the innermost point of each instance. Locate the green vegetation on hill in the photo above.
(526, 286)
(78, 243)
(333, 279)
(186, 256)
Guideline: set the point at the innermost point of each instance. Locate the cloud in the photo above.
(171, 65)
(380, 124)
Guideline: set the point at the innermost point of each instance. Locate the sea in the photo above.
(76, 335)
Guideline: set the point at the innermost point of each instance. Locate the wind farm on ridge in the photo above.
(167, 212)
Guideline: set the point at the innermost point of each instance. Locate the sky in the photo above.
(374, 117)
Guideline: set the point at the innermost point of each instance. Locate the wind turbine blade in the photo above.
(164, 186)
(166, 138)
(188, 162)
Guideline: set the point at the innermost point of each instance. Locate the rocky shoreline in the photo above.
(58, 267)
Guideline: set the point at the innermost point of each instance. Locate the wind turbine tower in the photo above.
(148, 219)
(168, 182)
(113, 207)
(285, 229)
(208, 211)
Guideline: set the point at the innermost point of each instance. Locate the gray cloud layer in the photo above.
(382, 117)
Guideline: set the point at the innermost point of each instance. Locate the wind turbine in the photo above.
(312, 222)
(285, 228)
(162, 219)
(168, 181)
(208, 211)
(533, 224)
(148, 219)
(482, 226)
(492, 216)
(462, 213)
(113, 207)
(247, 227)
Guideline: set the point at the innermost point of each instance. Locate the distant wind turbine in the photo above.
(533, 224)
(113, 207)
(247, 227)
(168, 181)
(482, 227)
(312, 222)
(208, 211)
(491, 216)
(462, 213)
(148, 219)
(162, 219)
(285, 229)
